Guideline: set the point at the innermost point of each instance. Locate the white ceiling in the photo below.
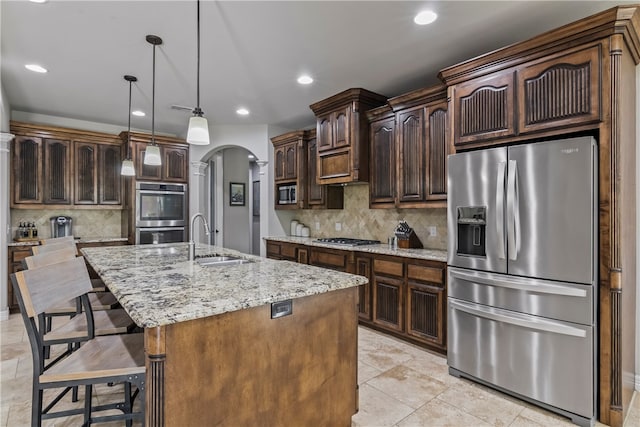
(252, 52)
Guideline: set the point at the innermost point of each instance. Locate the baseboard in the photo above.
(4, 315)
(637, 382)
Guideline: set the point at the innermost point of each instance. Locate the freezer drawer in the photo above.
(547, 361)
(556, 300)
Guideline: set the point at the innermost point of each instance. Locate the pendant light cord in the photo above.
(153, 98)
(129, 127)
(198, 71)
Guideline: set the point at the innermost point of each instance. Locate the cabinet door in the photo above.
(175, 164)
(86, 176)
(561, 91)
(278, 167)
(145, 172)
(484, 108)
(425, 312)
(315, 192)
(363, 268)
(437, 150)
(341, 128)
(325, 133)
(291, 161)
(302, 255)
(109, 177)
(57, 171)
(382, 186)
(411, 155)
(387, 302)
(329, 258)
(27, 170)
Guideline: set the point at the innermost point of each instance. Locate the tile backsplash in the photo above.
(87, 223)
(358, 221)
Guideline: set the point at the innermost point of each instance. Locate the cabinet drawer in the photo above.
(561, 91)
(288, 251)
(388, 268)
(425, 274)
(19, 255)
(335, 260)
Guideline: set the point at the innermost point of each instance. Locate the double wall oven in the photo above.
(161, 212)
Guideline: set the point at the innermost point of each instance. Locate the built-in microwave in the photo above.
(152, 235)
(287, 194)
(161, 205)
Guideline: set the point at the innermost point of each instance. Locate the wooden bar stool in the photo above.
(112, 359)
(55, 240)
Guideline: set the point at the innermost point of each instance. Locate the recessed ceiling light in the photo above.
(242, 111)
(305, 80)
(35, 68)
(425, 17)
(38, 1)
(138, 113)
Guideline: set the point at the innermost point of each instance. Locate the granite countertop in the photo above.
(383, 249)
(157, 285)
(87, 240)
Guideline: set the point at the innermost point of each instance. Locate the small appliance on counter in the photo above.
(406, 237)
(61, 226)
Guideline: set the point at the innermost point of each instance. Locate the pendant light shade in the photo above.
(198, 133)
(152, 155)
(127, 164)
(152, 152)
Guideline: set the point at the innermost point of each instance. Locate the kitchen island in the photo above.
(221, 346)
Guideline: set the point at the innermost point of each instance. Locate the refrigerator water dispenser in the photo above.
(472, 223)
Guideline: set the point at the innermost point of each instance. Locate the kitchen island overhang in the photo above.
(215, 355)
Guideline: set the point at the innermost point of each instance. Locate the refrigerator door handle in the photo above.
(500, 209)
(513, 211)
(527, 285)
(522, 320)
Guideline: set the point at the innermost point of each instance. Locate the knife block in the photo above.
(408, 240)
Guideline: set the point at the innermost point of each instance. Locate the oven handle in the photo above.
(530, 322)
(528, 285)
(159, 192)
(159, 228)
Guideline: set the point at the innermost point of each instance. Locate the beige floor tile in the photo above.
(378, 409)
(411, 387)
(535, 416)
(438, 413)
(8, 368)
(480, 403)
(366, 372)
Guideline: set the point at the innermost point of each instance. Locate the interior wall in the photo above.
(254, 207)
(637, 379)
(5, 139)
(236, 218)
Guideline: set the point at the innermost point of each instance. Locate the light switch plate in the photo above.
(338, 226)
(317, 226)
(433, 231)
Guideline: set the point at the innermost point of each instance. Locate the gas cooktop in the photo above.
(345, 241)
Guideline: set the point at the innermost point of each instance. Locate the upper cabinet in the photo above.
(343, 136)
(295, 174)
(547, 95)
(174, 154)
(409, 147)
(59, 167)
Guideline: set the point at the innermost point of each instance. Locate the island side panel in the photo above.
(154, 347)
(245, 369)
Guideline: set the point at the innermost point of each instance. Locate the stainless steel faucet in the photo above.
(192, 244)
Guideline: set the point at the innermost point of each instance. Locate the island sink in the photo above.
(219, 260)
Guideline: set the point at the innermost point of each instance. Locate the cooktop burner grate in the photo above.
(347, 241)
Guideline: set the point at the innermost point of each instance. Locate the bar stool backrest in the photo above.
(48, 258)
(52, 247)
(55, 240)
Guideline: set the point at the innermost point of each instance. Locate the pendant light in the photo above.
(198, 133)
(152, 153)
(127, 164)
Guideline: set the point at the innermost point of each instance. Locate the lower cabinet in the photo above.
(405, 297)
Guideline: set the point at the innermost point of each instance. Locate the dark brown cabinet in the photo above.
(295, 155)
(343, 136)
(388, 291)
(559, 91)
(281, 250)
(426, 303)
(174, 154)
(65, 167)
(363, 268)
(333, 259)
(409, 150)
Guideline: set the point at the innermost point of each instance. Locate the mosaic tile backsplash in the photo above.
(358, 221)
(86, 223)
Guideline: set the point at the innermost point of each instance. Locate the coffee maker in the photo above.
(61, 226)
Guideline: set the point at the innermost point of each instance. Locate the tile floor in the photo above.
(401, 385)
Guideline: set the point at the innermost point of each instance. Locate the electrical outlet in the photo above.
(338, 226)
(317, 226)
(433, 231)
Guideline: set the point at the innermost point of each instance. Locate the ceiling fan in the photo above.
(181, 108)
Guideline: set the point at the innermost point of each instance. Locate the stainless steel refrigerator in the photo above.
(522, 275)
